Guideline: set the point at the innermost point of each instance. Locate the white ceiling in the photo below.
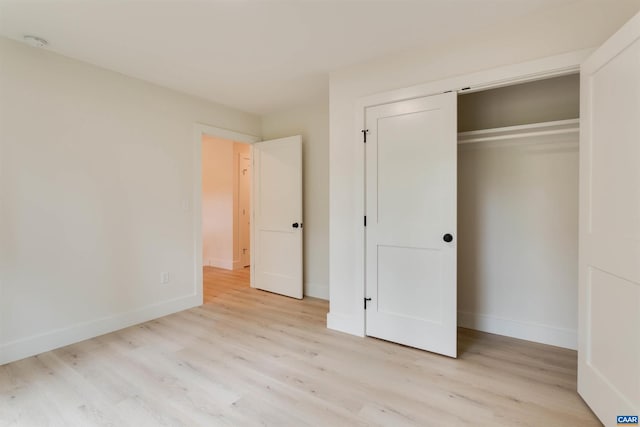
(258, 56)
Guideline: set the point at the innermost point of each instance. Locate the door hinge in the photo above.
(365, 302)
(365, 220)
(364, 134)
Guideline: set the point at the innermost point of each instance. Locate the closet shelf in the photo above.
(557, 127)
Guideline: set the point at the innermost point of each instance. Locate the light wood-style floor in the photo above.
(253, 358)
(219, 282)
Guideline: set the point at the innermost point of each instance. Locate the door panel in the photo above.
(411, 157)
(277, 254)
(402, 273)
(609, 263)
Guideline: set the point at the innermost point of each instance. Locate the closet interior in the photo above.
(518, 210)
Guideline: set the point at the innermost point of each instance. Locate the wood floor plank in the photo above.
(248, 357)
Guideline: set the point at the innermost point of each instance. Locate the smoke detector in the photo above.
(35, 41)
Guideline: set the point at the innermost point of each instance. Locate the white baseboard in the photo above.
(316, 291)
(30, 346)
(227, 264)
(347, 323)
(545, 334)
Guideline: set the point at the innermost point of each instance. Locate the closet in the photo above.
(518, 176)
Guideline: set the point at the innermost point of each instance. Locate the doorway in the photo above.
(226, 208)
(264, 230)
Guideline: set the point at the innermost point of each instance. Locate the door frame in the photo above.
(199, 130)
(544, 68)
(238, 161)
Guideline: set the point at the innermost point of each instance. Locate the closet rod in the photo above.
(557, 127)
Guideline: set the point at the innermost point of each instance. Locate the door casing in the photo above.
(199, 130)
(245, 256)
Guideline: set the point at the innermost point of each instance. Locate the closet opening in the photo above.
(518, 154)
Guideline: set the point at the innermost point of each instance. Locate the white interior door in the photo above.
(609, 261)
(411, 176)
(277, 204)
(244, 208)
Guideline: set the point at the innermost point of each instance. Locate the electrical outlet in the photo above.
(164, 278)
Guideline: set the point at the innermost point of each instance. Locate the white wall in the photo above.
(217, 202)
(518, 238)
(534, 102)
(556, 30)
(312, 122)
(96, 191)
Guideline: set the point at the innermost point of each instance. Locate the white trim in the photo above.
(316, 290)
(36, 344)
(197, 214)
(567, 63)
(200, 129)
(618, 42)
(252, 218)
(557, 72)
(347, 323)
(204, 129)
(226, 264)
(553, 66)
(530, 331)
(558, 127)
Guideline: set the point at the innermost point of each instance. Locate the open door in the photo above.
(277, 207)
(411, 188)
(609, 291)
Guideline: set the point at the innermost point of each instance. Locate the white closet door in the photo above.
(277, 201)
(411, 158)
(609, 290)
